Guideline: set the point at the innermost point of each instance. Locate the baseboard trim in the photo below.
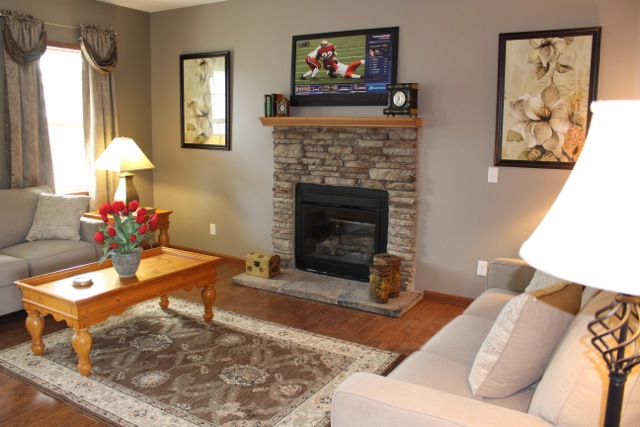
(448, 299)
(225, 257)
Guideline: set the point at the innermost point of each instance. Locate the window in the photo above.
(61, 68)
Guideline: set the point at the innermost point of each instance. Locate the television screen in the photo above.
(344, 68)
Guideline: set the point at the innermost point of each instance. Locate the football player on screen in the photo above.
(337, 69)
(324, 52)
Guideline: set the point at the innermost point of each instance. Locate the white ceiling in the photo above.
(158, 5)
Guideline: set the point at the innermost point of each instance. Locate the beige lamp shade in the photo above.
(123, 154)
(591, 234)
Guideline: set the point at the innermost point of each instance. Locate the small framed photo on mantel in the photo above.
(546, 83)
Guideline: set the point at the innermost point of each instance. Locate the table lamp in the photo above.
(591, 236)
(123, 155)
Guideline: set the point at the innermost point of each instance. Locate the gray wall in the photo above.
(449, 47)
(132, 73)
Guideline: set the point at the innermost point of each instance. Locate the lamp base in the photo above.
(126, 192)
(616, 331)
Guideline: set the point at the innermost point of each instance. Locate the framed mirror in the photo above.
(205, 100)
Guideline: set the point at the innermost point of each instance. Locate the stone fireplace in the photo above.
(367, 153)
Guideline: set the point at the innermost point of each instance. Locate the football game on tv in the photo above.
(344, 68)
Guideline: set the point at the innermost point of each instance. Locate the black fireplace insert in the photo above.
(339, 229)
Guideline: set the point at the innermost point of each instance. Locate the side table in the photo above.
(163, 224)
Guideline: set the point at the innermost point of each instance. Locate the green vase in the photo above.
(126, 265)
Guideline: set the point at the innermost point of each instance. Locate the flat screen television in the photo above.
(344, 68)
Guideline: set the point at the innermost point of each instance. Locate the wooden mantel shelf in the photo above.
(361, 122)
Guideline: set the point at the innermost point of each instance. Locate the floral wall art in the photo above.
(547, 80)
(204, 92)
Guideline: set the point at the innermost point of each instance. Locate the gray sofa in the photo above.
(20, 258)
(432, 387)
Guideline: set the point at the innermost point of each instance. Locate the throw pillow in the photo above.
(57, 217)
(526, 332)
(542, 280)
(573, 389)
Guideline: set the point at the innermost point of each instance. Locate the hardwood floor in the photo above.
(23, 405)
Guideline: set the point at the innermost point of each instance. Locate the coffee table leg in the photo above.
(164, 302)
(35, 326)
(82, 342)
(208, 297)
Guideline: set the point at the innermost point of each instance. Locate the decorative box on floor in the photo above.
(263, 265)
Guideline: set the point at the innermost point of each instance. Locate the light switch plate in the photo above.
(492, 176)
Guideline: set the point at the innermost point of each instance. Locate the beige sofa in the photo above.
(433, 386)
(34, 240)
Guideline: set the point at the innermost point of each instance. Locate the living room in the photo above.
(449, 48)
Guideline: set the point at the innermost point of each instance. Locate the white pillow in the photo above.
(542, 280)
(515, 353)
(57, 217)
(573, 389)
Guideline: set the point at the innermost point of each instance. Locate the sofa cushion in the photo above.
(17, 208)
(490, 303)
(444, 374)
(58, 217)
(541, 280)
(573, 389)
(45, 256)
(460, 339)
(11, 269)
(516, 351)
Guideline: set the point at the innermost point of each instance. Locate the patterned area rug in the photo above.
(168, 368)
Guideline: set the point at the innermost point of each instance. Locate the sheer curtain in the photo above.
(26, 131)
(100, 55)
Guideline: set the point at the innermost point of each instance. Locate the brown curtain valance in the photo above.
(17, 31)
(99, 47)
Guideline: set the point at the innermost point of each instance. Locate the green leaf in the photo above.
(541, 70)
(576, 119)
(562, 68)
(513, 136)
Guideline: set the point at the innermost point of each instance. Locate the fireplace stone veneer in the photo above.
(369, 157)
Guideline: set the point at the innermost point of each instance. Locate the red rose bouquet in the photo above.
(126, 228)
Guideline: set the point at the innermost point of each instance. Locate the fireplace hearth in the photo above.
(339, 229)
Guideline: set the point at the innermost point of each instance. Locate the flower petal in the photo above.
(541, 131)
(517, 110)
(532, 107)
(550, 95)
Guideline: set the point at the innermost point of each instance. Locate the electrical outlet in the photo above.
(481, 270)
(212, 229)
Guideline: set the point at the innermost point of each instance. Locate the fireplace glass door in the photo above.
(338, 229)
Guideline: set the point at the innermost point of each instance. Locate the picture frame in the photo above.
(205, 100)
(353, 69)
(546, 83)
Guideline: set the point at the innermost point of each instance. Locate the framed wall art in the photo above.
(205, 100)
(546, 82)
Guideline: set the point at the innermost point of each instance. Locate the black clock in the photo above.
(403, 99)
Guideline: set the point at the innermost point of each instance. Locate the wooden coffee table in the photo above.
(162, 270)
